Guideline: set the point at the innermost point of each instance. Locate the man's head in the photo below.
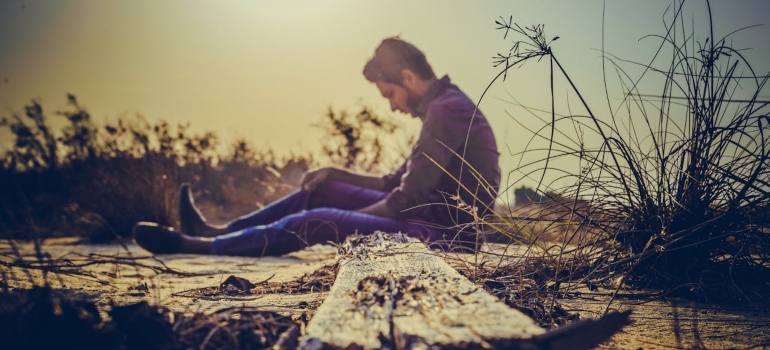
(401, 72)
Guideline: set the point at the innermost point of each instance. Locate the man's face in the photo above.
(401, 99)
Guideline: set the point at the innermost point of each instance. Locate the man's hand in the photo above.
(311, 179)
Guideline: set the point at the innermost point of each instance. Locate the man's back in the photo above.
(456, 154)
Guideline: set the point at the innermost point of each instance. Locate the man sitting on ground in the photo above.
(451, 172)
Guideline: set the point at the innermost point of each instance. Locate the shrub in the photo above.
(356, 140)
(98, 181)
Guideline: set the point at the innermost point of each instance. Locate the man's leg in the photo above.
(332, 194)
(193, 224)
(308, 227)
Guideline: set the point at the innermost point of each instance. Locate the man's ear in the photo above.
(409, 79)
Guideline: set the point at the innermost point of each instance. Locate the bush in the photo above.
(98, 181)
(356, 140)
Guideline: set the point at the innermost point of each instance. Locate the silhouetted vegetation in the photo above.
(357, 140)
(98, 180)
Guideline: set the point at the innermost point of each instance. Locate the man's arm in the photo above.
(314, 178)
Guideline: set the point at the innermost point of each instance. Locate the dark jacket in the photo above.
(453, 167)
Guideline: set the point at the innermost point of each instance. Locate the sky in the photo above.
(267, 70)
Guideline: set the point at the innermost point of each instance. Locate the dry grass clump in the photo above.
(671, 190)
(527, 287)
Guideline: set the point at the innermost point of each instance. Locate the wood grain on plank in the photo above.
(392, 292)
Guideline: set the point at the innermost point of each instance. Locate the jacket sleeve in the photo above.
(393, 179)
(443, 133)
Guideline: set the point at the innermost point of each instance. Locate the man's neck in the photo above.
(422, 86)
(432, 88)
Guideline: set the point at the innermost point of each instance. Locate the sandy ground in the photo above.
(668, 324)
(125, 283)
(682, 325)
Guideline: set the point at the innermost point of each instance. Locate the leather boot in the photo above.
(191, 220)
(157, 239)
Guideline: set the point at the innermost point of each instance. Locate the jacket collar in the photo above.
(434, 90)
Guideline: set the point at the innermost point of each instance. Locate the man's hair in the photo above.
(392, 57)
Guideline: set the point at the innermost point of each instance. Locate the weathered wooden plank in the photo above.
(392, 292)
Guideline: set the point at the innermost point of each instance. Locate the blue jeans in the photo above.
(304, 218)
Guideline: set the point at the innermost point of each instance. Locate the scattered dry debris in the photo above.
(139, 290)
(237, 328)
(238, 285)
(362, 246)
(528, 288)
(242, 289)
(73, 323)
(408, 294)
(320, 280)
